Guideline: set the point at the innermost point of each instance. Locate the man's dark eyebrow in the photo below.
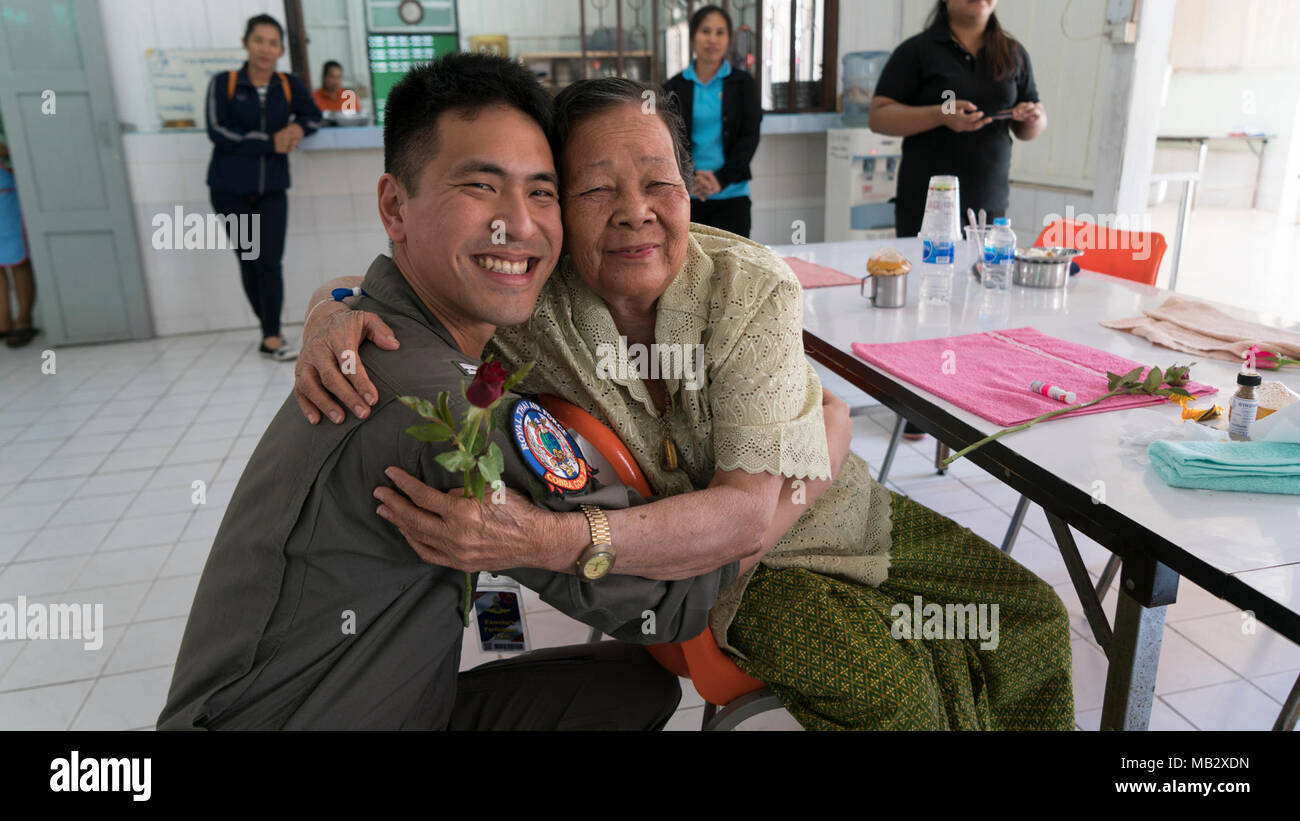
(485, 167)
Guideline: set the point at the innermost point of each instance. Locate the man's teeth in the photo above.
(502, 266)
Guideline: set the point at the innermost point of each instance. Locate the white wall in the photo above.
(1233, 67)
(132, 26)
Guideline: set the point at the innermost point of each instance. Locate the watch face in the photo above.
(597, 566)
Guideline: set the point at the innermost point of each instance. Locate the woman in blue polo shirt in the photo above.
(256, 116)
(722, 112)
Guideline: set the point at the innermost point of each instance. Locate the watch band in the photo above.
(598, 524)
(598, 557)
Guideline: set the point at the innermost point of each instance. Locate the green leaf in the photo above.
(491, 464)
(474, 483)
(518, 376)
(421, 406)
(1177, 392)
(1155, 378)
(444, 410)
(455, 460)
(1112, 380)
(433, 432)
(1133, 377)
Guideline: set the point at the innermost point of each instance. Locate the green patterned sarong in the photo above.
(826, 647)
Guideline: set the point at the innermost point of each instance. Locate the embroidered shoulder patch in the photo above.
(548, 449)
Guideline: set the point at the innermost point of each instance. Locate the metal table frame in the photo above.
(1152, 565)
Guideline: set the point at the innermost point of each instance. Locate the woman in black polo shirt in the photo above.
(956, 93)
(722, 112)
(943, 91)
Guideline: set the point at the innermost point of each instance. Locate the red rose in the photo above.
(488, 385)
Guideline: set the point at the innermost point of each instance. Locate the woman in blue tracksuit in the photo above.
(256, 116)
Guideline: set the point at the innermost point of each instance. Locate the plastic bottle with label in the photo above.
(938, 237)
(999, 255)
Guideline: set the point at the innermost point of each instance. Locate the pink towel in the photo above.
(812, 275)
(989, 373)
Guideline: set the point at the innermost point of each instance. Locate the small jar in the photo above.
(1244, 406)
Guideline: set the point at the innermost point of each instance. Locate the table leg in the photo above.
(1286, 719)
(1013, 529)
(1147, 587)
(1134, 659)
(1184, 215)
(895, 438)
(1092, 609)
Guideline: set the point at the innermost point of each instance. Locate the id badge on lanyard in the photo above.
(499, 611)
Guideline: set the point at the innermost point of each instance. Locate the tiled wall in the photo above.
(334, 228)
(789, 184)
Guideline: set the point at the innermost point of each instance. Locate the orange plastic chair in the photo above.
(1107, 250)
(716, 678)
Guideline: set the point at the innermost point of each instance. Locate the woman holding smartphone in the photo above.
(957, 93)
(256, 116)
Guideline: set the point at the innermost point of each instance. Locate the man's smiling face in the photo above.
(481, 232)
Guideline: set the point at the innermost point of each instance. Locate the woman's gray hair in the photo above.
(587, 98)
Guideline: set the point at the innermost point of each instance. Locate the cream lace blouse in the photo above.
(744, 398)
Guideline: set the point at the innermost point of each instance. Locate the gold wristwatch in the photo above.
(598, 558)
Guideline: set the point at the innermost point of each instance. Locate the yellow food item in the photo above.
(888, 262)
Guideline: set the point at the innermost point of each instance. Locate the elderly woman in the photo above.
(825, 619)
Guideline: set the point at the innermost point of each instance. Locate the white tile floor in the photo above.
(97, 469)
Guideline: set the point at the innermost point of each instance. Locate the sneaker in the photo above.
(284, 353)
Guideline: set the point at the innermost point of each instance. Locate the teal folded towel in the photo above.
(1252, 467)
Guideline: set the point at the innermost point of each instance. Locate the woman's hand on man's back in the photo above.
(319, 378)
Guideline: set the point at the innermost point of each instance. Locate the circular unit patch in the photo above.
(548, 449)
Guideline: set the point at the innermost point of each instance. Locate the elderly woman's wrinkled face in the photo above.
(627, 213)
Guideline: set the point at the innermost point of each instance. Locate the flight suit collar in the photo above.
(385, 283)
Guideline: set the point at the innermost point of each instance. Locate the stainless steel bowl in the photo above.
(1037, 270)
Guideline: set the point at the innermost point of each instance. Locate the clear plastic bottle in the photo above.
(939, 237)
(999, 255)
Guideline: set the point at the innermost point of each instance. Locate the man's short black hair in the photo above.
(467, 83)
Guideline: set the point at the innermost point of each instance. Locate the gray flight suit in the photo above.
(301, 555)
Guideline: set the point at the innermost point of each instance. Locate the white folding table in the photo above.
(1241, 547)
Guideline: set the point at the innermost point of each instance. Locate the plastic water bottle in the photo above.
(939, 237)
(999, 255)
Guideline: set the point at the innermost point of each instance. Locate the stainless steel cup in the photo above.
(886, 291)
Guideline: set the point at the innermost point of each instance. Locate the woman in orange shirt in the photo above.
(332, 96)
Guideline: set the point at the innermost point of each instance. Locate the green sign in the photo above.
(392, 55)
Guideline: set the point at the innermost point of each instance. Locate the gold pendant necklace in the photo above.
(668, 451)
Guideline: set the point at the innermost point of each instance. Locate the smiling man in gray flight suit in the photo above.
(313, 612)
